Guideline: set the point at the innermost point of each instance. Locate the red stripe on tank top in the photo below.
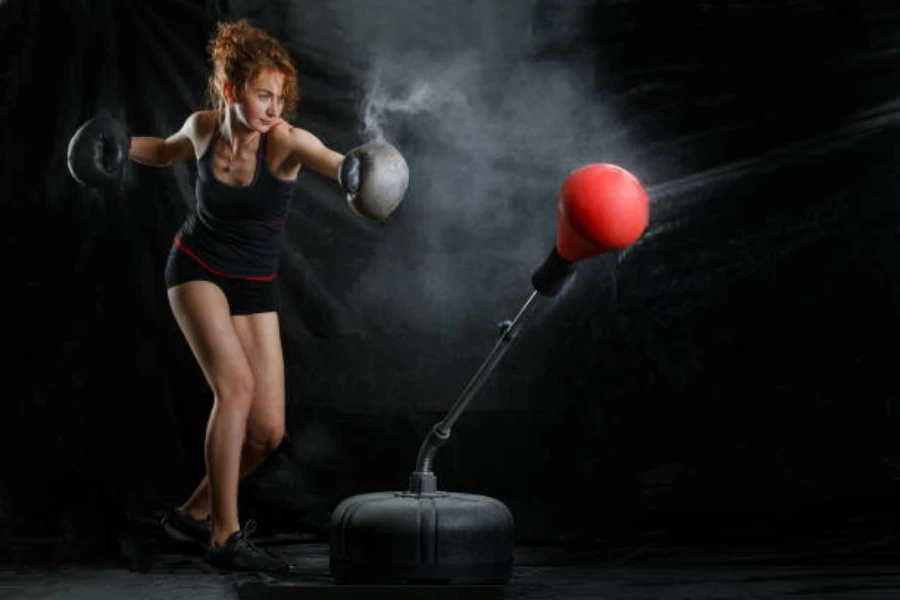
(187, 251)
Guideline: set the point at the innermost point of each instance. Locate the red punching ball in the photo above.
(601, 208)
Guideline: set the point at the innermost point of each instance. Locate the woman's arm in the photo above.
(304, 148)
(374, 176)
(159, 152)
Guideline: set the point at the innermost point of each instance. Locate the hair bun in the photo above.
(239, 51)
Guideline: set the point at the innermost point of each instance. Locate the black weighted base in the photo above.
(425, 538)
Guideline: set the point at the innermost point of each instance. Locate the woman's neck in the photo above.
(236, 133)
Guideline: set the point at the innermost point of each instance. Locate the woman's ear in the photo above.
(228, 92)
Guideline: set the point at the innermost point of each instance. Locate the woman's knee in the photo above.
(265, 438)
(235, 387)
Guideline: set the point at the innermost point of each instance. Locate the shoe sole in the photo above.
(220, 570)
(178, 536)
(285, 569)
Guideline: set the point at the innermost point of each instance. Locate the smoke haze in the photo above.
(490, 126)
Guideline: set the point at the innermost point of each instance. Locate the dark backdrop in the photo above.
(730, 375)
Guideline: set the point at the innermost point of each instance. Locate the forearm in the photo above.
(327, 163)
(307, 150)
(148, 151)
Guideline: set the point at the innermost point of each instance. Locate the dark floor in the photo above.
(828, 570)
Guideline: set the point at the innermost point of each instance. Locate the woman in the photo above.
(221, 271)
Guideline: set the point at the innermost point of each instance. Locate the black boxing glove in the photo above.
(98, 152)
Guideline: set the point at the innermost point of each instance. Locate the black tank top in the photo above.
(237, 231)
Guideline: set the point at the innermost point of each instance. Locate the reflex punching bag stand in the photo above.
(426, 536)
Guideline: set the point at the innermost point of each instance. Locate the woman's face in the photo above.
(260, 104)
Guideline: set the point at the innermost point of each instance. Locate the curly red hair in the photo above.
(239, 53)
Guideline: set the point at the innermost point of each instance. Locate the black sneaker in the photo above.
(240, 554)
(182, 529)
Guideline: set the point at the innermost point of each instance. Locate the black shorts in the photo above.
(245, 296)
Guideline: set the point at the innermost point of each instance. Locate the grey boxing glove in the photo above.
(375, 178)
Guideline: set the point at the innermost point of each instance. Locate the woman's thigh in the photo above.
(260, 338)
(202, 313)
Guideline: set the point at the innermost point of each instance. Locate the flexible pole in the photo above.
(423, 478)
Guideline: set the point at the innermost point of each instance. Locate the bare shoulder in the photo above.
(199, 128)
(200, 125)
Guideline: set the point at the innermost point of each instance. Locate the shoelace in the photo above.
(249, 528)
